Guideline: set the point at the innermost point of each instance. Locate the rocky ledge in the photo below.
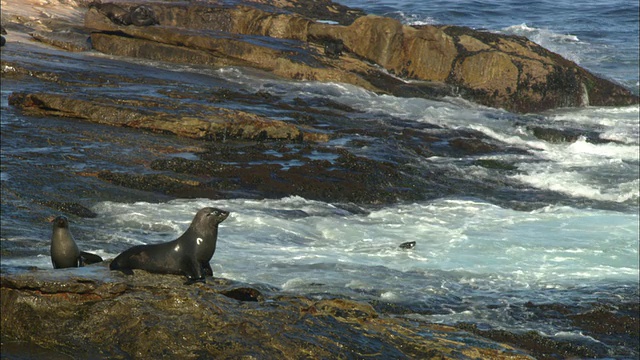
(92, 312)
(504, 71)
(324, 41)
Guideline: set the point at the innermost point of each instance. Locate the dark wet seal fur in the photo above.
(188, 255)
(139, 16)
(64, 250)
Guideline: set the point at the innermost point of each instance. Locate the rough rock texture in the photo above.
(286, 38)
(209, 123)
(92, 312)
(495, 70)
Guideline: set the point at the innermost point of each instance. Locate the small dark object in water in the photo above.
(2, 41)
(408, 245)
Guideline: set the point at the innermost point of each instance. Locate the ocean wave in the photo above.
(567, 45)
(412, 18)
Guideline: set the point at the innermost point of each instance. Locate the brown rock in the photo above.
(492, 72)
(495, 70)
(212, 122)
(93, 312)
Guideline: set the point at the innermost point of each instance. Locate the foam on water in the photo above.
(296, 241)
(567, 45)
(605, 171)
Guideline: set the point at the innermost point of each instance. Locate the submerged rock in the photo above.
(92, 312)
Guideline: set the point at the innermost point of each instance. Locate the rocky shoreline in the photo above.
(234, 144)
(92, 312)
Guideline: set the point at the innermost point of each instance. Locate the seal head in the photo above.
(204, 228)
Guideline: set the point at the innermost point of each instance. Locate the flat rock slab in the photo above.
(92, 311)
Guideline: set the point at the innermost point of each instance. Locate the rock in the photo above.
(541, 346)
(324, 41)
(67, 40)
(472, 145)
(492, 69)
(209, 123)
(93, 312)
(69, 208)
(254, 171)
(554, 135)
(496, 70)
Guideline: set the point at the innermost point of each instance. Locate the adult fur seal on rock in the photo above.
(187, 255)
(64, 250)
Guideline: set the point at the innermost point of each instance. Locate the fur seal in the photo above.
(115, 13)
(187, 255)
(333, 48)
(143, 16)
(64, 250)
(139, 16)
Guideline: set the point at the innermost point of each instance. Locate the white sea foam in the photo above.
(568, 45)
(293, 242)
(412, 19)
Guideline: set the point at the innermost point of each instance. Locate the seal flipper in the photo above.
(206, 268)
(192, 281)
(193, 271)
(115, 265)
(89, 258)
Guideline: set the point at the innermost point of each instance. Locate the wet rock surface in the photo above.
(617, 325)
(107, 314)
(249, 154)
(496, 70)
(323, 41)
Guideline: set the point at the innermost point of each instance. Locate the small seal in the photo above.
(143, 16)
(64, 250)
(139, 16)
(188, 255)
(407, 245)
(115, 13)
(333, 48)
